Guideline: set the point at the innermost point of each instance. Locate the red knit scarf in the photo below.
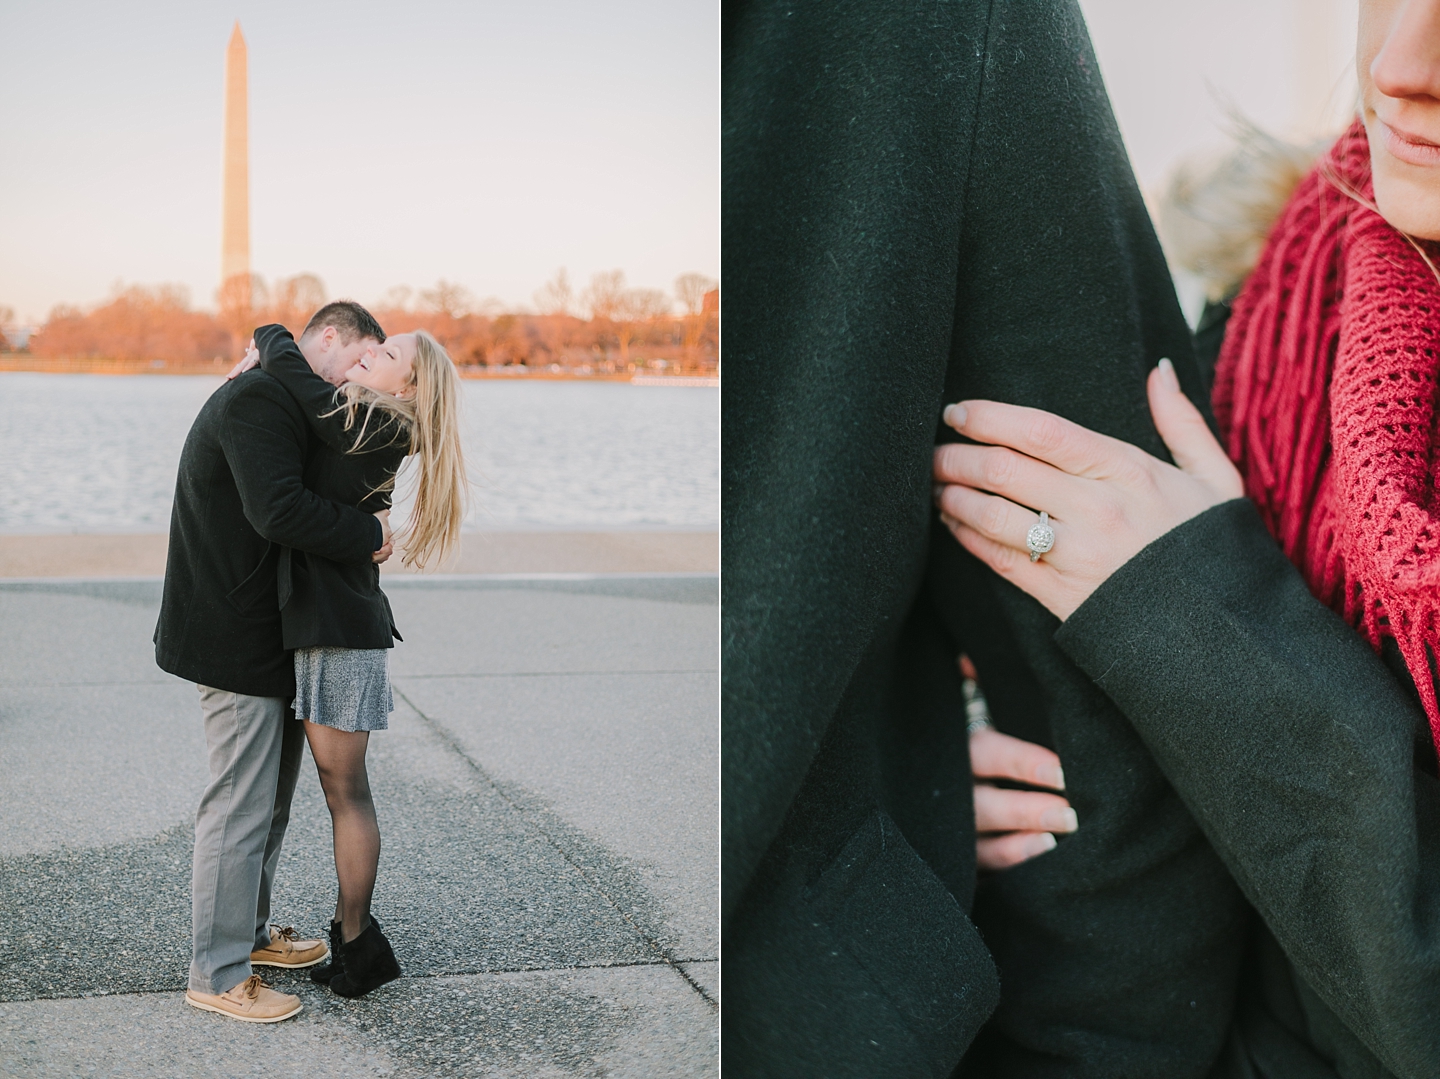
(1325, 395)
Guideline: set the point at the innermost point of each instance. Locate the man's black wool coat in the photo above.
(239, 499)
(924, 202)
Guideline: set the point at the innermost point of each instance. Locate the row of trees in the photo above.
(607, 326)
(135, 324)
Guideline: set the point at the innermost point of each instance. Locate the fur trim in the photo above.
(1215, 215)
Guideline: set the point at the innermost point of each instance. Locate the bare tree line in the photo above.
(605, 327)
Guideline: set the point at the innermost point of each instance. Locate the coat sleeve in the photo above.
(1119, 951)
(846, 130)
(1296, 749)
(264, 440)
(918, 212)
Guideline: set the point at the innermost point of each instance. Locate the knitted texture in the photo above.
(1325, 395)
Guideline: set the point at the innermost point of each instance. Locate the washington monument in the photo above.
(235, 230)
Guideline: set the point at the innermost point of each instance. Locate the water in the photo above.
(98, 453)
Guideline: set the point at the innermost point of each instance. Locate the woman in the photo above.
(1309, 764)
(399, 400)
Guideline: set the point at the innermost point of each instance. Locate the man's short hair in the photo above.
(350, 320)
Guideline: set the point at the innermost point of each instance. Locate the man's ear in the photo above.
(327, 338)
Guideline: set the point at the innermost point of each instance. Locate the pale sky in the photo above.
(1172, 67)
(485, 142)
(490, 143)
(1175, 69)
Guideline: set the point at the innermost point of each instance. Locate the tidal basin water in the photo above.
(98, 453)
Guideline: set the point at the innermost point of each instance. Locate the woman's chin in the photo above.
(1408, 198)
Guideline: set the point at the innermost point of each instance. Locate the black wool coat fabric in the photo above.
(324, 601)
(239, 499)
(925, 202)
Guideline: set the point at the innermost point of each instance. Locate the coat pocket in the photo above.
(254, 597)
(902, 926)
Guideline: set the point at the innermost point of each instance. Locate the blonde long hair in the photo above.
(431, 415)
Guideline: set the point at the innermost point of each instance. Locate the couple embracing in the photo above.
(273, 607)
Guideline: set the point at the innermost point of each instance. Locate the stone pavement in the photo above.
(548, 803)
(141, 554)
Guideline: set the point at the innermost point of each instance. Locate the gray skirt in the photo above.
(344, 688)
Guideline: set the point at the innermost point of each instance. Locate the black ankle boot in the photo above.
(327, 970)
(366, 963)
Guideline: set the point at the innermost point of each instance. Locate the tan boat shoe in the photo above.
(287, 950)
(252, 1001)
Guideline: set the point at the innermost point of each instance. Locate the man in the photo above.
(239, 500)
(926, 203)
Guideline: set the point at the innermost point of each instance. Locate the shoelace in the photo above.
(288, 933)
(253, 985)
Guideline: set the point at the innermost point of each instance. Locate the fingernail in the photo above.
(936, 490)
(1167, 374)
(1060, 820)
(1041, 843)
(956, 415)
(1051, 775)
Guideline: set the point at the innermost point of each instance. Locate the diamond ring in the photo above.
(1040, 538)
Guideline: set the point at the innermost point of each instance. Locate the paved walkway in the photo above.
(143, 554)
(548, 800)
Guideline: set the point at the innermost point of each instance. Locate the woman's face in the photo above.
(387, 367)
(1398, 63)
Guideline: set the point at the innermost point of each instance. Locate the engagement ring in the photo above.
(1040, 538)
(977, 709)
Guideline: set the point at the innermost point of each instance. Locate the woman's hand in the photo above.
(387, 538)
(252, 359)
(1012, 826)
(1106, 499)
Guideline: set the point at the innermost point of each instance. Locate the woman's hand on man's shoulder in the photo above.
(250, 361)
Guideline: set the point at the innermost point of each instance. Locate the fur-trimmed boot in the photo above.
(323, 973)
(366, 963)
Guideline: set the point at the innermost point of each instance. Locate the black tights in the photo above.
(340, 760)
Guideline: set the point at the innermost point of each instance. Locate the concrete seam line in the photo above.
(156, 682)
(404, 581)
(406, 977)
(540, 674)
(454, 744)
(638, 575)
(407, 677)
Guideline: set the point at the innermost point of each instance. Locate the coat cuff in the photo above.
(1223, 551)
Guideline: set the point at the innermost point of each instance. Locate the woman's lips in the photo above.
(1408, 148)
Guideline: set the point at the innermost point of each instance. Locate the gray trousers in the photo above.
(255, 749)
